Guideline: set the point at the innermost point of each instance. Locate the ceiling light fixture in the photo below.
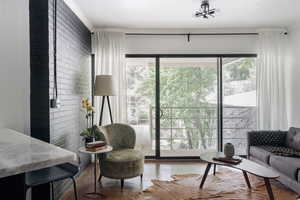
(205, 12)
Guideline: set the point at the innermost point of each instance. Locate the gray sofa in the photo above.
(279, 150)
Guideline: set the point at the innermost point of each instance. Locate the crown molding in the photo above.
(76, 9)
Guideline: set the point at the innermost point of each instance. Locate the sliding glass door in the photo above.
(140, 75)
(188, 105)
(239, 101)
(181, 106)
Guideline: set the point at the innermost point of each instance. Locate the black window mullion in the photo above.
(220, 104)
(157, 107)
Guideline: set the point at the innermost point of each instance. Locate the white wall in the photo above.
(198, 44)
(293, 77)
(14, 65)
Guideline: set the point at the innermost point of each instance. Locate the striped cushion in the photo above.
(282, 151)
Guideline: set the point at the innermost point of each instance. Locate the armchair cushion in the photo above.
(124, 155)
(293, 138)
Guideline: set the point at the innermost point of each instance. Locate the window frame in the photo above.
(219, 58)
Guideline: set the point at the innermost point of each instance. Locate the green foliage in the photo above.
(185, 86)
(92, 132)
(240, 70)
(181, 85)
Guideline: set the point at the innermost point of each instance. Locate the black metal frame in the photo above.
(157, 57)
(157, 107)
(220, 103)
(93, 84)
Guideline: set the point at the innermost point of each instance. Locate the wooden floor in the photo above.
(153, 170)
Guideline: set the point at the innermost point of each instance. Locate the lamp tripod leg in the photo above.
(111, 119)
(101, 112)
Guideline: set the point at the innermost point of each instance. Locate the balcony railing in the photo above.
(191, 128)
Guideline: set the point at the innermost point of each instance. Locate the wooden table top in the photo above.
(246, 165)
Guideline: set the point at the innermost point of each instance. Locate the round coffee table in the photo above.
(246, 166)
(83, 150)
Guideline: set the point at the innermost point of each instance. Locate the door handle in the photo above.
(161, 114)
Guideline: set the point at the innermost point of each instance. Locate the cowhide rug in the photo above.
(227, 184)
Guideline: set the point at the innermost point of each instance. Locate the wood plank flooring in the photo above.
(153, 170)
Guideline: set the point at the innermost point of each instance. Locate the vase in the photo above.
(229, 150)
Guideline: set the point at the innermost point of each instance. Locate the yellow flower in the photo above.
(88, 104)
(90, 108)
(84, 103)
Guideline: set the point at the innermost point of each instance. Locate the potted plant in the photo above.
(90, 133)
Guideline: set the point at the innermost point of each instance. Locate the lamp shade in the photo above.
(104, 86)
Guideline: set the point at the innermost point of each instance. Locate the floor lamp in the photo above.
(104, 87)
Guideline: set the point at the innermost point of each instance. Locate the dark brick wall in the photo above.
(60, 126)
(73, 76)
(39, 81)
(39, 70)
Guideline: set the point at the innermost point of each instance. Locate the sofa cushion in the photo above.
(260, 153)
(282, 151)
(286, 165)
(293, 138)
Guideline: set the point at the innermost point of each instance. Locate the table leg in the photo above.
(95, 174)
(94, 194)
(205, 175)
(247, 179)
(215, 168)
(269, 188)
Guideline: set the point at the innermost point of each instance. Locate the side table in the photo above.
(96, 153)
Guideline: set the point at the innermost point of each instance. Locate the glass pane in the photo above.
(239, 101)
(140, 75)
(188, 100)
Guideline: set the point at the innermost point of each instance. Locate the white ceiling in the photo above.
(179, 13)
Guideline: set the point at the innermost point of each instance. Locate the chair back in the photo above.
(119, 136)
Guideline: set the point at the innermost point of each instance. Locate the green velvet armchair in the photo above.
(123, 162)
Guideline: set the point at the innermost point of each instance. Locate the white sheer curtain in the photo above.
(271, 93)
(109, 50)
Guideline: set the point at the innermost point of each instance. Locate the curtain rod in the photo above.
(191, 34)
(187, 34)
